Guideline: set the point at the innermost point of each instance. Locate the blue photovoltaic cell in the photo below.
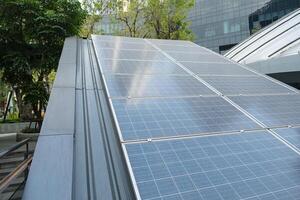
(244, 85)
(130, 54)
(252, 165)
(214, 68)
(273, 110)
(99, 38)
(197, 57)
(141, 67)
(124, 45)
(173, 42)
(154, 86)
(162, 117)
(247, 166)
(190, 49)
(292, 135)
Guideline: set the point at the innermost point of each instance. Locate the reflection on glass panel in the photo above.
(223, 23)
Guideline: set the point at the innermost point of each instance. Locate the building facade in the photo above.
(221, 24)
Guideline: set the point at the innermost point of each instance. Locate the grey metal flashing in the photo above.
(78, 155)
(62, 102)
(50, 175)
(117, 159)
(69, 52)
(65, 76)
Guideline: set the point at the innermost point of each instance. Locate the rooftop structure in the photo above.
(132, 118)
(273, 50)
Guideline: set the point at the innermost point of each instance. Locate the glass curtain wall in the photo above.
(221, 24)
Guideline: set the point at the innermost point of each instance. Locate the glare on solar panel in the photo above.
(191, 49)
(124, 45)
(141, 67)
(130, 54)
(154, 86)
(172, 42)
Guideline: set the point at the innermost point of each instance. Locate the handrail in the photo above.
(22, 167)
(14, 147)
(6, 181)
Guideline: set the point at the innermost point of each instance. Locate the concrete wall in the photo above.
(13, 127)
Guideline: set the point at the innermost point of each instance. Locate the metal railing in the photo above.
(23, 167)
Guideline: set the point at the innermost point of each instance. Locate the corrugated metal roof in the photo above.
(78, 154)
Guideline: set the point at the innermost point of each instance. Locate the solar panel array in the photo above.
(194, 125)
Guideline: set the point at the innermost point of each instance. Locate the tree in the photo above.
(168, 18)
(96, 9)
(162, 19)
(130, 15)
(3, 95)
(32, 33)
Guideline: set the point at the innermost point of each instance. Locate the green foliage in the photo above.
(164, 19)
(167, 19)
(96, 9)
(32, 33)
(130, 15)
(12, 117)
(3, 93)
(36, 94)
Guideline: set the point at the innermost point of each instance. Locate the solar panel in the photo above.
(97, 38)
(238, 166)
(130, 54)
(197, 57)
(124, 45)
(273, 110)
(173, 42)
(245, 85)
(214, 68)
(166, 117)
(154, 86)
(190, 49)
(292, 135)
(155, 100)
(141, 67)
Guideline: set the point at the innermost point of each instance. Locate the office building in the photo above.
(221, 24)
(273, 50)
